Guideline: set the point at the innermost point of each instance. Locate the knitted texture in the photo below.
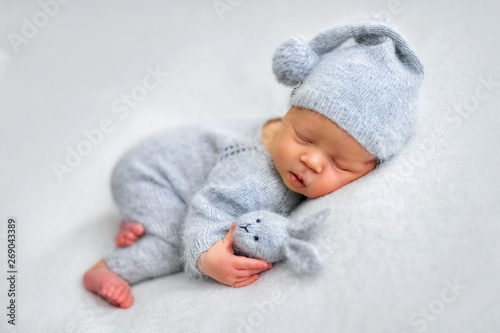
(369, 89)
(272, 237)
(187, 186)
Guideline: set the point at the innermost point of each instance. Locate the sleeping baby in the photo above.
(180, 191)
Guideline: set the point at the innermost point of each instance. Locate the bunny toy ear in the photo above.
(309, 226)
(302, 257)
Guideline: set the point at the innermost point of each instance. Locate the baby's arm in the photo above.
(220, 263)
(228, 193)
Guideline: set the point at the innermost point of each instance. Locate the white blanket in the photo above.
(412, 247)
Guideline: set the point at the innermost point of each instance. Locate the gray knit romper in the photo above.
(187, 186)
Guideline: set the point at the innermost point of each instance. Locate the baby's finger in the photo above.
(229, 239)
(231, 231)
(241, 273)
(249, 263)
(241, 278)
(246, 282)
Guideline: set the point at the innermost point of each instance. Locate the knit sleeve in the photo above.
(232, 189)
(206, 224)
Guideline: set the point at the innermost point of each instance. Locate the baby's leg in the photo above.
(151, 256)
(143, 192)
(154, 205)
(129, 233)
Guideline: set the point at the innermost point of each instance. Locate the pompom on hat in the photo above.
(369, 89)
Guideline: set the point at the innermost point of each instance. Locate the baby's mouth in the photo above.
(296, 180)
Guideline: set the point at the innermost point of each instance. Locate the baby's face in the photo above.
(314, 156)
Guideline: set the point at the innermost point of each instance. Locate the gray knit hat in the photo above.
(369, 89)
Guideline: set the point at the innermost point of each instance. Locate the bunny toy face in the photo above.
(272, 237)
(261, 235)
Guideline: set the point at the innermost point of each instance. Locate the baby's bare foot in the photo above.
(129, 233)
(104, 282)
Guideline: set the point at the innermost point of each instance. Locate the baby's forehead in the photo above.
(316, 116)
(328, 130)
(322, 125)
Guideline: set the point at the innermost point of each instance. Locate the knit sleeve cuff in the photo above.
(193, 253)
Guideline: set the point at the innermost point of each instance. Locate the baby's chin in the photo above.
(302, 191)
(307, 192)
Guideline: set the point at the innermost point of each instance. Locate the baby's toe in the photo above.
(127, 302)
(130, 236)
(121, 241)
(137, 229)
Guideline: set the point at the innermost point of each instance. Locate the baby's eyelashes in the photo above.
(338, 166)
(301, 138)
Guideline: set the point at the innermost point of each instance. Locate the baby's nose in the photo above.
(313, 160)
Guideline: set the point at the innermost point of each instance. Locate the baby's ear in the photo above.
(302, 257)
(309, 226)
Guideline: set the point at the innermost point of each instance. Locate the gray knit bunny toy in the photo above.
(272, 237)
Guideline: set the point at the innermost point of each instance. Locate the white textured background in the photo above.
(397, 239)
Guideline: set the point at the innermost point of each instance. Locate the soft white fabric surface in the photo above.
(396, 240)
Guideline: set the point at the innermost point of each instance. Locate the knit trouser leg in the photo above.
(144, 194)
(149, 257)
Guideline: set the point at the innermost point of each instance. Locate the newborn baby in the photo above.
(180, 191)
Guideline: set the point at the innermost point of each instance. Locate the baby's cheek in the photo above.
(281, 155)
(286, 143)
(329, 183)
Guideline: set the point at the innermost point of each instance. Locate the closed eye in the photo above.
(337, 165)
(301, 137)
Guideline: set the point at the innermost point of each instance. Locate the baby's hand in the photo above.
(220, 263)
